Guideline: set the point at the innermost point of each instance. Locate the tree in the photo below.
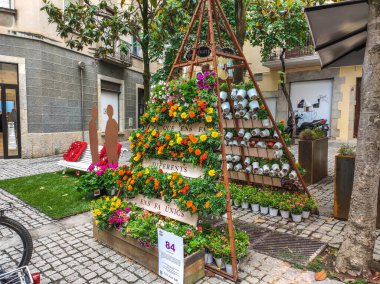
(104, 25)
(277, 25)
(356, 253)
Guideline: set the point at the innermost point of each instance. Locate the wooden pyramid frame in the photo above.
(214, 11)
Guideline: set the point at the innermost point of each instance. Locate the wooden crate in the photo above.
(148, 257)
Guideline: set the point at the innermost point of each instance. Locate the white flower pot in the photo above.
(255, 132)
(265, 122)
(252, 94)
(226, 107)
(247, 117)
(264, 210)
(229, 268)
(284, 214)
(265, 133)
(293, 175)
(247, 161)
(230, 166)
(305, 214)
(243, 104)
(247, 136)
(242, 112)
(238, 167)
(255, 207)
(278, 154)
(253, 106)
(228, 158)
(235, 104)
(296, 218)
(219, 262)
(241, 132)
(281, 174)
(272, 173)
(285, 168)
(223, 95)
(208, 258)
(275, 135)
(243, 143)
(273, 211)
(248, 169)
(237, 115)
(255, 166)
(261, 144)
(236, 203)
(254, 116)
(229, 136)
(234, 143)
(234, 93)
(276, 167)
(260, 171)
(266, 169)
(277, 145)
(245, 205)
(228, 116)
(241, 94)
(235, 158)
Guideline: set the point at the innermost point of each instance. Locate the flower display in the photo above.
(75, 151)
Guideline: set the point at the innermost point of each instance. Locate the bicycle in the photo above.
(16, 244)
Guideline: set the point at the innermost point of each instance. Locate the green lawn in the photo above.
(50, 193)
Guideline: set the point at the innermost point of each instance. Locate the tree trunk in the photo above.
(240, 12)
(356, 253)
(287, 95)
(145, 50)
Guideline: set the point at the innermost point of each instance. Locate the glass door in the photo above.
(10, 126)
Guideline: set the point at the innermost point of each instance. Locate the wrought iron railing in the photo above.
(305, 49)
(118, 57)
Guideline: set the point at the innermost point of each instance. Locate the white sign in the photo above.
(168, 166)
(170, 257)
(196, 128)
(170, 210)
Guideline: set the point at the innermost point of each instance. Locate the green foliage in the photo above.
(276, 24)
(312, 134)
(347, 150)
(224, 87)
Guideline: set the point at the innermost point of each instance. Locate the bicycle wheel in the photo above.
(16, 245)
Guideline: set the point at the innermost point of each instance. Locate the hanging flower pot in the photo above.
(230, 166)
(247, 116)
(248, 169)
(261, 144)
(275, 135)
(229, 136)
(260, 171)
(223, 95)
(247, 161)
(284, 214)
(235, 158)
(228, 116)
(226, 107)
(203, 51)
(285, 168)
(252, 94)
(243, 143)
(281, 174)
(277, 145)
(241, 94)
(189, 54)
(241, 132)
(305, 214)
(238, 167)
(265, 122)
(255, 207)
(254, 116)
(253, 106)
(266, 169)
(272, 173)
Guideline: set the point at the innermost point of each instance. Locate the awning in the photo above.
(339, 32)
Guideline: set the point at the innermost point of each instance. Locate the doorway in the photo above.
(357, 106)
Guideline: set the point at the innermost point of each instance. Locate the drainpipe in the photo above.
(81, 66)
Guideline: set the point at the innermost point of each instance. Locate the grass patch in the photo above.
(50, 193)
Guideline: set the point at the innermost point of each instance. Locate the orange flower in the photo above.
(146, 145)
(219, 194)
(125, 178)
(207, 205)
(191, 150)
(167, 137)
(129, 187)
(194, 208)
(156, 184)
(189, 204)
(191, 114)
(198, 152)
(121, 173)
(182, 154)
(180, 181)
(139, 174)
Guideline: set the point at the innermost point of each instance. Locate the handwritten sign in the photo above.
(170, 210)
(167, 166)
(196, 128)
(170, 257)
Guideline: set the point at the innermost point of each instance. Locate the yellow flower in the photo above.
(153, 119)
(179, 140)
(97, 212)
(175, 114)
(171, 143)
(146, 114)
(203, 137)
(210, 110)
(214, 134)
(180, 108)
(146, 171)
(138, 135)
(107, 199)
(114, 198)
(154, 132)
(104, 207)
(183, 115)
(211, 173)
(130, 138)
(169, 177)
(137, 157)
(208, 118)
(112, 209)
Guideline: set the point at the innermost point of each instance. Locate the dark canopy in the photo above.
(339, 32)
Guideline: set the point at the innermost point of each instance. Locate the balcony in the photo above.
(302, 56)
(118, 57)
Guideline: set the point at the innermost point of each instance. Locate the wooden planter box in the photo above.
(313, 156)
(148, 257)
(343, 184)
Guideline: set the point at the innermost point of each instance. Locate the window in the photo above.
(8, 4)
(135, 46)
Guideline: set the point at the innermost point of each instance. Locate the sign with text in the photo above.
(170, 257)
(168, 166)
(196, 128)
(170, 210)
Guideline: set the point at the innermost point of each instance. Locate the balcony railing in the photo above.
(304, 50)
(118, 57)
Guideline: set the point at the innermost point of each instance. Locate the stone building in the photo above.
(48, 90)
(331, 93)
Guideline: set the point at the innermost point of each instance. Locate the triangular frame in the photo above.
(213, 7)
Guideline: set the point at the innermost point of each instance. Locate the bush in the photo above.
(312, 134)
(347, 150)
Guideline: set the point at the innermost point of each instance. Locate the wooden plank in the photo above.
(195, 128)
(277, 182)
(267, 180)
(170, 210)
(168, 166)
(262, 153)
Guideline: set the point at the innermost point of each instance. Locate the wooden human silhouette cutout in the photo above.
(93, 133)
(112, 130)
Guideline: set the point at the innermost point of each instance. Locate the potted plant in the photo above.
(296, 209)
(274, 204)
(251, 91)
(254, 200)
(284, 207)
(309, 206)
(264, 202)
(262, 115)
(223, 92)
(245, 194)
(313, 154)
(242, 93)
(241, 247)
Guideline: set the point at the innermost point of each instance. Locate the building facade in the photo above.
(48, 90)
(330, 93)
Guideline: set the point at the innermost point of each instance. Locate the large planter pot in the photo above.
(313, 156)
(343, 184)
(306, 214)
(273, 212)
(264, 210)
(296, 218)
(285, 214)
(148, 257)
(244, 205)
(255, 207)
